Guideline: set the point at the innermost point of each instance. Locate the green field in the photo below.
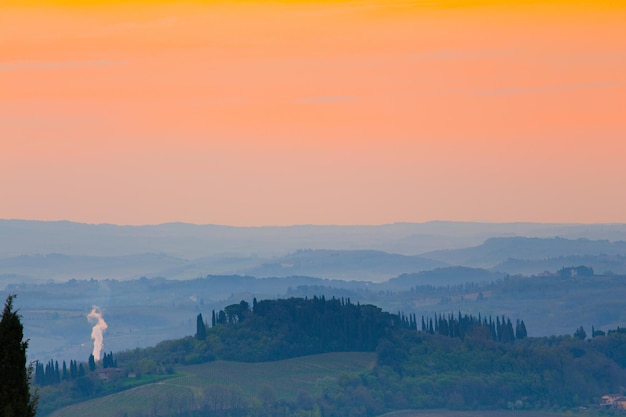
(281, 379)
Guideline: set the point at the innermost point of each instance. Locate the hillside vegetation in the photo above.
(146, 311)
(454, 361)
(227, 385)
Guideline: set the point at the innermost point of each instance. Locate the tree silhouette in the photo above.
(580, 333)
(15, 398)
(200, 328)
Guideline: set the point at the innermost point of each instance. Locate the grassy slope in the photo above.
(286, 378)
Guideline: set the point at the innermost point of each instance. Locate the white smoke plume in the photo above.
(97, 331)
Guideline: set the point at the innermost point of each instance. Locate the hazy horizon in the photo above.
(426, 222)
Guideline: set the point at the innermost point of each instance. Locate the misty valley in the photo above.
(510, 324)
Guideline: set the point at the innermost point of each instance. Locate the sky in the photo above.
(253, 113)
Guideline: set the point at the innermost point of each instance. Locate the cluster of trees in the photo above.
(50, 374)
(273, 330)
(108, 361)
(436, 371)
(301, 326)
(232, 314)
(285, 328)
(499, 329)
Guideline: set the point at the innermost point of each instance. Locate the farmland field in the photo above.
(282, 379)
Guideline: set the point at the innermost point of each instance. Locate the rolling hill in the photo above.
(201, 383)
(499, 253)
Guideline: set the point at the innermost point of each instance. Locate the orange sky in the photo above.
(327, 112)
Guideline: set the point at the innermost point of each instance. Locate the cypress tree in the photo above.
(520, 330)
(508, 334)
(57, 373)
(40, 377)
(221, 317)
(49, 372)
(200, 328)
(15, 398)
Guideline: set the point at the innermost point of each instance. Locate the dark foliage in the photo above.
(51, 374)
(279, 329)
(452, 361)
(448, 325)
(276, 329)
(108, 361)
(15, 398)
(429, 371)
(200, 328)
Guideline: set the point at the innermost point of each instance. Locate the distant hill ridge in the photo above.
(191, 241)
(501, 253)
(42, 251)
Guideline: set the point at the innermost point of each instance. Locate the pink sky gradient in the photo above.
(285, 113)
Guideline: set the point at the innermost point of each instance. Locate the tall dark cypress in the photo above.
(49, 372)
(57, 373)
(15, 398)
(200, 328)
(520, 330)
(40, 374)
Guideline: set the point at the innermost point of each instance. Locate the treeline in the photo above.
(500, 329)
(285, 328)
(300, 326)
(271, 330)
(431, 371)
(339, 325)
(51, 373)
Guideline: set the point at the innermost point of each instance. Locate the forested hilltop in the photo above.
(455, 361)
